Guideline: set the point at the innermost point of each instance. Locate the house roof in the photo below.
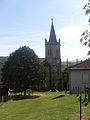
(82, 65)
(42, 59)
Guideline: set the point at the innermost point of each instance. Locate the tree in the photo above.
(85, 37)
(40, 78)
(22, 70)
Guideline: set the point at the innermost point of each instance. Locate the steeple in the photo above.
(52, 37)
(53, 60)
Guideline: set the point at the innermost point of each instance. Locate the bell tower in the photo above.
(53, 58)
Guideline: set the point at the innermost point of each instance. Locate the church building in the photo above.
(53, 60)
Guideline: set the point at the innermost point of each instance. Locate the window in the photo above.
(49, 52)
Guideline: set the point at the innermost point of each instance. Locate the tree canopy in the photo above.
(22, 70)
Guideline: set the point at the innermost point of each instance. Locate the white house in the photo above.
(79, 76)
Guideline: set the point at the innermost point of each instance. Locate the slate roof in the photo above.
(52, 38)
(42, 59)
(82, 65)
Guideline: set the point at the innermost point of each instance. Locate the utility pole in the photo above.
(67, 73)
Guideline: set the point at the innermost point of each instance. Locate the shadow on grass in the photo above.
(60, 96)
(18, 97)
(21, 97)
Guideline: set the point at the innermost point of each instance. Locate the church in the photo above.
(53, 60)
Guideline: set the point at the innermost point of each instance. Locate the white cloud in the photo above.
(70, 42)
(70, 32)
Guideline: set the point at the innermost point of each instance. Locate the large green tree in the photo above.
(23, 70)
(85, 37)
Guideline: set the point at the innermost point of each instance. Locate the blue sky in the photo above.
(28, 22)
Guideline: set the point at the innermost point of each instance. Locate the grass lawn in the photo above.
(48, 106)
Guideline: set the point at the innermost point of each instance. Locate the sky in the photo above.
(28, 22)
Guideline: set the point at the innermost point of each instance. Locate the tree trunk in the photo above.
(89, 96)
(25, 93)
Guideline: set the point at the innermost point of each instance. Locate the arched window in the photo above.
(48, 52)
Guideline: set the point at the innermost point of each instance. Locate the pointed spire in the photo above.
(52, 20)
(52, 37)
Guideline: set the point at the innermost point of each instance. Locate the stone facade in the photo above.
(53, 58)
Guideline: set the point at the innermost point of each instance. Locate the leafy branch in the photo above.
(85, 36)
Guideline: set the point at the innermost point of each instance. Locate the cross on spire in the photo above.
(52, 20)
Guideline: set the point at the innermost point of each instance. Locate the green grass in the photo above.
(49, 106)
